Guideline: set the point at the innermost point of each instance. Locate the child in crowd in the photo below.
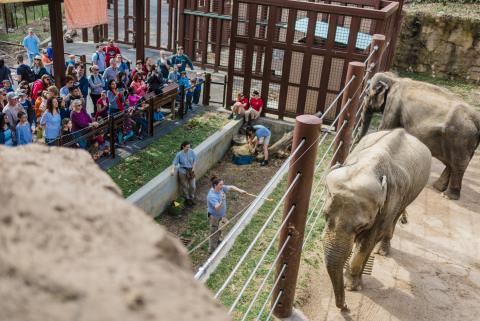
(184, 80)
(189, 95)
(198, 89)
(102, 106)
(70, 61)
(173, 75)
(7, 85)
(66, 132)
(63, 109)
(23, 131)
(27, 105)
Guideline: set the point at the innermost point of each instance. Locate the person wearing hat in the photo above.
(27, 105)
(38, 69)
(47, 62)
(31, 44)
(12, 109)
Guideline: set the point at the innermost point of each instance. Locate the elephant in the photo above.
(446, 124)
(366, 196)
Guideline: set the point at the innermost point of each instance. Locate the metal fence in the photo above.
(269, 284)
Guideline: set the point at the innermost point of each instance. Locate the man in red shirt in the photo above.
(111, 51)
(239, 108)
(256, 106)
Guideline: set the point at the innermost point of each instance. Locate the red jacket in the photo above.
(256, 103)
(110, 52)
(37, 89)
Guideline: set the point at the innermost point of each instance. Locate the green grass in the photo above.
(135, 171)
(310, 253)
(20, 30)
(468, 91)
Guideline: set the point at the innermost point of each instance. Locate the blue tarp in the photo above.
(341, 36)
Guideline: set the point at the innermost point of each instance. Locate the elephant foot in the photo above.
(404, 218)
(440, 185)
(384, 248)
(451, 194)
(353, 283)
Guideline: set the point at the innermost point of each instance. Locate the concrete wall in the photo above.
(155, 196)
(441, 45)
(277, 127)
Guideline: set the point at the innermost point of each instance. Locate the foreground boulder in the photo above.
(71, 248)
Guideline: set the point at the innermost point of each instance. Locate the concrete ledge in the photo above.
(155, 196)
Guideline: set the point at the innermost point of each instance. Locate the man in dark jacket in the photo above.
(181, 60)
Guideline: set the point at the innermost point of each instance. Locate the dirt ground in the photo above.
(252, 178)
(432, 273)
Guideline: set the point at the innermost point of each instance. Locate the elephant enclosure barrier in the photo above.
(273, 277)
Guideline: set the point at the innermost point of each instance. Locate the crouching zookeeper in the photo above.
(184, 163)
(217, 208)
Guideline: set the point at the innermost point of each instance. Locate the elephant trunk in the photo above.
(366, 119)
(337, 250)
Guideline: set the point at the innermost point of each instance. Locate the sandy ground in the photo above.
(433, 271)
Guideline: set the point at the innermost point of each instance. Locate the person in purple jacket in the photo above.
(80, 120)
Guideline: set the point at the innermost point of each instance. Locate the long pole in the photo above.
(307, 127)
(350, 96)
(140, 29)
(55, 12)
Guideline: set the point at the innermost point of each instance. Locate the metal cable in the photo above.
(260, 261)
(212, 257)
(375, 49)
(337, 97)
(313, 225)
(280, 293)
(260, 288)
(219, 229)
(257, 237)
(271, 292)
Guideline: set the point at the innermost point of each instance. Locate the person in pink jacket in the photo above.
(39, 86)
(139, 85)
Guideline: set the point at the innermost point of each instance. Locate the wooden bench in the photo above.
(156, 102)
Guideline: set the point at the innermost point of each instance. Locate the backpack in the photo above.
(27, 73)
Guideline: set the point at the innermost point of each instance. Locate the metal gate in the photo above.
(160, 22)
(297, 53)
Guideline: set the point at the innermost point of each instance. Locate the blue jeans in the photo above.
(31, 57)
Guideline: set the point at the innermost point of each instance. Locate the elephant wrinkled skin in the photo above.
(438, 118)
(366, 197)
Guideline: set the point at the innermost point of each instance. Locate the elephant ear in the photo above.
(380, 88)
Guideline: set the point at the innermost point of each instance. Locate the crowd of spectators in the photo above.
(33, 109)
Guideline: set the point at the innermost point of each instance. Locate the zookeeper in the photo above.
(184, 163)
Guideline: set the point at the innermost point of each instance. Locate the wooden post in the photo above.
(96, 34)
(376, 59)
(206, 89)
(355, 69)
(140, 29)
(55, 12)
(307, 127)
(111, 119)
(84, 34)
(181, 108)
(181, 24)
(150, 116)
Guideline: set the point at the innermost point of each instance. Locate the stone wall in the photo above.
(440, 45)
(71, 247)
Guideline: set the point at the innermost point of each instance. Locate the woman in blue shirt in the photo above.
(259, 135)
(217, 207)
(6, 135)
(51, 121)
(115, 98)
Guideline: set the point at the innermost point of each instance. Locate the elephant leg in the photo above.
(455, 183)
(353, 273)
(441, 183)
(384, 246)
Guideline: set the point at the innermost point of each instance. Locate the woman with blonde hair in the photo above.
(38, 69)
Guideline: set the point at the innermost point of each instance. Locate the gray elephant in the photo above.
(438, 118)
(366, 197)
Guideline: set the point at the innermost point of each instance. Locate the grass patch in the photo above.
(468, 91)
(135, 171)
(243, 241)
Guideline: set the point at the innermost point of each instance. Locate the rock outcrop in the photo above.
(71, 248)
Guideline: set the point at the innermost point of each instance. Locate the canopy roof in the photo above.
(21, 1)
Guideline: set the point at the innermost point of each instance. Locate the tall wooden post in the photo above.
(55, 11)
(181, 107)
(206, 89)
(378, 41)
(352, 93)
(140, 29)
(307, 127)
